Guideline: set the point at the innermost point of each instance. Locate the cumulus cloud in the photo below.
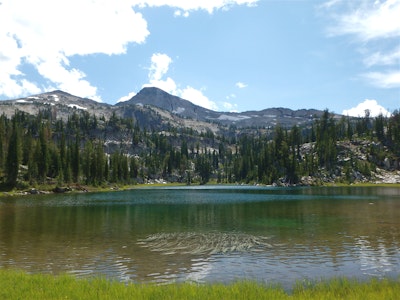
(158, 70)
(192, 5)
(159, 66)
(127, 97)
(241, 85)
(45, 34)
(375, 25)
(197, 97)
(231, 107)
(372, 105)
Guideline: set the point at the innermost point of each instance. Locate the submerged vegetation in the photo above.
(87, 150)
(19, 285)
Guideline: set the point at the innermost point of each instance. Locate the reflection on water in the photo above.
(375, 261)
(206, 234)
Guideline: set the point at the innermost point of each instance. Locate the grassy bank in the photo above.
(19, 285)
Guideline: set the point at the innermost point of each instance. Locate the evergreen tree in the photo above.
(42, 155)
(76, 159)
(203, 167)
(14, 154)
(379, 127)
(326, 141)
(133, 168)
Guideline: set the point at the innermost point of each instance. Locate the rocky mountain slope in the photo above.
(61, 105)
(152, 107)
(183, 108)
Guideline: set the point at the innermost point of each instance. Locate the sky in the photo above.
(225, 55)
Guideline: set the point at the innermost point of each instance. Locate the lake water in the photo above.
(206, 234)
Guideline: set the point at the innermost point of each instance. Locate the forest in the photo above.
(87, 150)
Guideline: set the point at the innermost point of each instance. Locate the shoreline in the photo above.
(78, 188)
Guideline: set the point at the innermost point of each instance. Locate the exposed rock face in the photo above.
(63, 104)
(173, 104)
(183, 108)
(59, 103)
(356, 163)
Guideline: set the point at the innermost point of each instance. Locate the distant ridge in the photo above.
(64, 104)
(268, 117)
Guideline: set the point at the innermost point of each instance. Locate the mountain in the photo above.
(161, 99)
(61, 105)
(153, 107)
(268, 117)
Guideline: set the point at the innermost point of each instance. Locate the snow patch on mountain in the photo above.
(232, 118)
(77, 106)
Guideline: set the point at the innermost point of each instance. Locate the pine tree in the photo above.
(326, 141)
(203, 167)
(133, 168)
(42, 155)
(14, 155)
(76, 159)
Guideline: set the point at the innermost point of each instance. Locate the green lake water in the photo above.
(206, 234)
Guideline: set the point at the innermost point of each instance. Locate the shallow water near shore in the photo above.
(206, 234)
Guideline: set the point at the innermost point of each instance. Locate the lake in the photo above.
(206, 234)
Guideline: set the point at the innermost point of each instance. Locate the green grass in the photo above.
(19, 285)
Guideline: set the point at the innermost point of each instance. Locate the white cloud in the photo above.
(193, 5)
(71, 80)
(46, 33)
(389, 79)
(372, 105)
(14, 88)
(167, 85)
(231, 107)
(383, 59)
(196, 97)
(241, 85)
(159, 68)
(369, 20)
(376, 25)
(127, 97)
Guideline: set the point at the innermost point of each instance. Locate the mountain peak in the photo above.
(151, 90)
(159, 98)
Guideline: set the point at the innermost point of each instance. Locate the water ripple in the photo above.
(204, 243)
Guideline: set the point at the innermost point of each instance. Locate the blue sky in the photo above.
(226, 55)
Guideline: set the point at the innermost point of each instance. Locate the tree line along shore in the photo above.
(43, 153)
